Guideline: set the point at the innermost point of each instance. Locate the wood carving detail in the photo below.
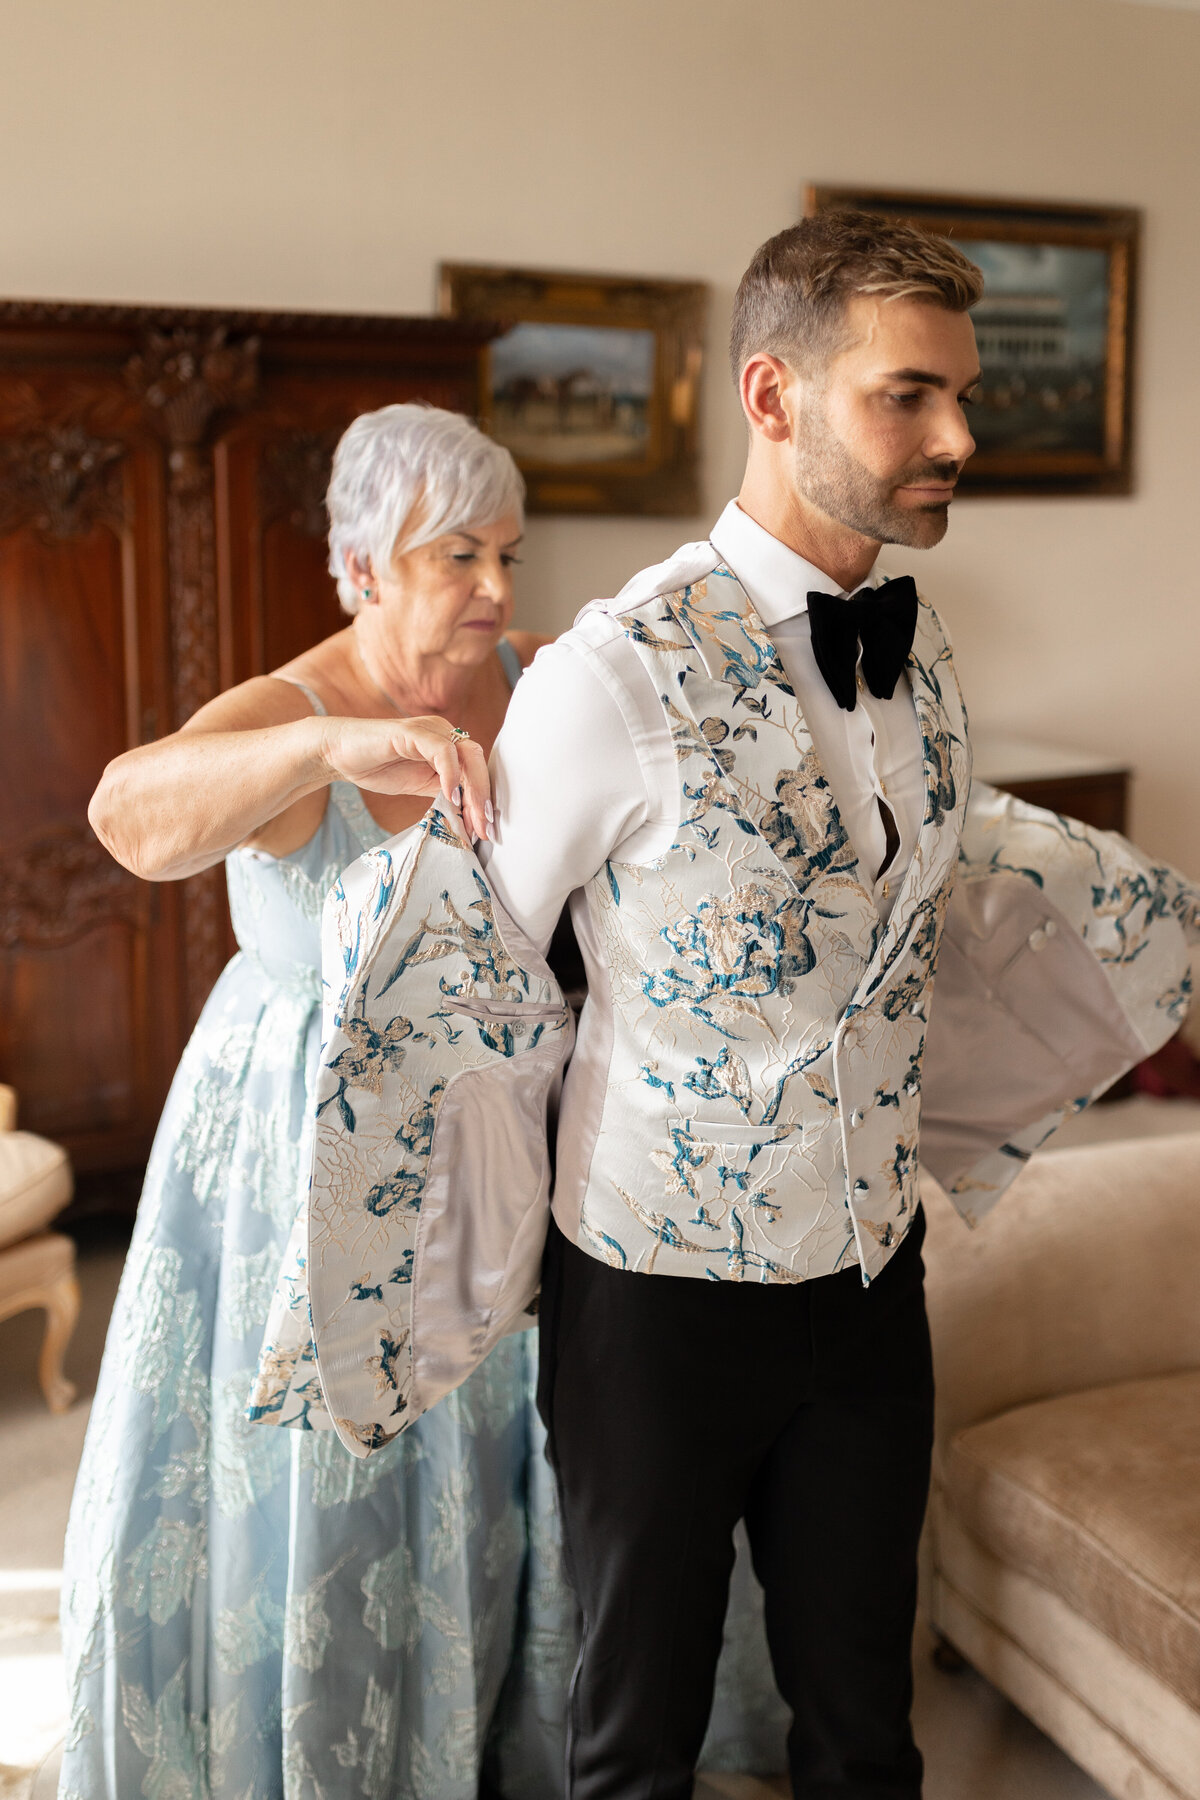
(427, 336)
(185, 378)
(62, 481)
(60, 885)
(293, 480)
(203, 936)
(191, 575)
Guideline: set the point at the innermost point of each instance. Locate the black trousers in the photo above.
(674, 1408)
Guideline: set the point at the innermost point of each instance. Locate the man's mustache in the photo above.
(947, 470)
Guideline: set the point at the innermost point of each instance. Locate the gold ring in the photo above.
(458, 734)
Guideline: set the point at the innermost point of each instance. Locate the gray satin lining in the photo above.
(483, 1218)
(1024, 1020)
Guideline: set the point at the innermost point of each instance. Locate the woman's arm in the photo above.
(174, 807)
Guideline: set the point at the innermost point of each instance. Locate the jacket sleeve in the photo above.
(1065, 960)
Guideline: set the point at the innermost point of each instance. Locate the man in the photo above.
(749, 773)
(733, 1364)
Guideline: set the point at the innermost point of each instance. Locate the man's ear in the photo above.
(765, 386)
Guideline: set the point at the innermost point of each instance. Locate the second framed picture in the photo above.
(1055, 334)
(593, 385)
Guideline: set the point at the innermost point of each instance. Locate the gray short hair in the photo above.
(407, 474)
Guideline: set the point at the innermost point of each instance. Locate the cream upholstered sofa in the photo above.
(37, 1266)
(1063, 1551)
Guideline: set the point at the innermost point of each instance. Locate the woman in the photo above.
(251, 1612)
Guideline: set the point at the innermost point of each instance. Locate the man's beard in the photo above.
(845, 489)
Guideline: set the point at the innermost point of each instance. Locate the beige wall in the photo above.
(327, 153)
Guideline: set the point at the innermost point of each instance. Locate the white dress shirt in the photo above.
(584, 769)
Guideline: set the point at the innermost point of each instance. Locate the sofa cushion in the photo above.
(35, 1184)
(1096, 1495)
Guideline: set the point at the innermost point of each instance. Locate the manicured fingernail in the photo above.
(489, 811)
(456, 799)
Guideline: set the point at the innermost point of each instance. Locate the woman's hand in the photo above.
(413, 756)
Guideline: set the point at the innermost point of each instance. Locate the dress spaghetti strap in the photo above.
(345, 796)
(308, 693)
(511, 661)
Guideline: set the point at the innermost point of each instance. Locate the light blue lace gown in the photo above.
(251, 1613)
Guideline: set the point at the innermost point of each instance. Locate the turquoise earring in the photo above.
(366, 593)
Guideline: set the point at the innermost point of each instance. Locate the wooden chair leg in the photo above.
(62, 1311)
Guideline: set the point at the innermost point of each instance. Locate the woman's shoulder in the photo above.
(323, 671)
(310, 683)
(263, 700)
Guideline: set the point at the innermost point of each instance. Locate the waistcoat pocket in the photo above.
(502, 1011)
(719, 1131)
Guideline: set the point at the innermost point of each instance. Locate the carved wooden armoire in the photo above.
(162, 536)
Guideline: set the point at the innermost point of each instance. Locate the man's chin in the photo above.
(935, 520)
(918, 527)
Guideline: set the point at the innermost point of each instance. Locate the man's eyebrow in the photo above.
(927, 378)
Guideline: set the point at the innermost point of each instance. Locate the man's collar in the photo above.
(777, 580)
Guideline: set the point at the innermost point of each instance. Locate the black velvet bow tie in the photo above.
(882, 619)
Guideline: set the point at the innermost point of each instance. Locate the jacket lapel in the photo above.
(762, 765)
(767, 769)
(920, 904)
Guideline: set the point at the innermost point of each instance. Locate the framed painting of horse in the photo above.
(593, 384)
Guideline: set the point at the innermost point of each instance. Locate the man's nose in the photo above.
(951, 438)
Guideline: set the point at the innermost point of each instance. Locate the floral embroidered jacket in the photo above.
(770, 1034)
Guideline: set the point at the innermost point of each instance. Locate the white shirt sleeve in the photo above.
(583, 770)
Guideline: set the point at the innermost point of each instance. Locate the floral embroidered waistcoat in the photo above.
(768, 1036)
(763, 1100)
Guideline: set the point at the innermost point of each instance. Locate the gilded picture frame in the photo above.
(593, 384)
(1055, 329)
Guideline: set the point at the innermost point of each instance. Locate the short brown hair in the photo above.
(792, 299)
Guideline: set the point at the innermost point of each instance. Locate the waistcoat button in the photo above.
(861, 1187)
(856, 1118)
